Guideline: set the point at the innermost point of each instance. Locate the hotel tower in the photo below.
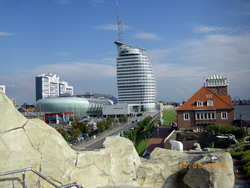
(135, 77)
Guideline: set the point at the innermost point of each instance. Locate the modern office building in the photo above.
(50, 86)
(135, 77)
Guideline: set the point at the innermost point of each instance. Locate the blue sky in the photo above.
(186, 41)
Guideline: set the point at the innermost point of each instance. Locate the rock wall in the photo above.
(33, 144)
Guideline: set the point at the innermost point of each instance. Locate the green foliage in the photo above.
(240, 133)
(83, 127)
(131, 135)
(226, 129)
(213, 127)
(244, 158)
(104, 124)
(65, 135)
(75, 132)
(123, 119)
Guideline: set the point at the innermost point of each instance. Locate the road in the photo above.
(97, 142)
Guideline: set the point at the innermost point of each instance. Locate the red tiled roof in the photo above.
(204, 94)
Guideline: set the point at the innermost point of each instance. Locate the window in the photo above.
(199, 128)
(223, 115)
(213, 116)
(186, 116)
(205, 115)
(209, 103)
(199, 103)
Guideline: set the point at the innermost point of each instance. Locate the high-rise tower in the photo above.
(135, 77)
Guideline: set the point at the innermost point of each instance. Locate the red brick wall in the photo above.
(187, 124)
(219, 90)
(230, 117)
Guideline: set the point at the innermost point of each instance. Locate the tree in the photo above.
(75, 132)
(123, 119)
(65, 135)
(83, 127)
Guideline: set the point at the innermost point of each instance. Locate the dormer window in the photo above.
(210, 103)
(199, 103)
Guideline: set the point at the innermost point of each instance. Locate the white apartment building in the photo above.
(50, 86)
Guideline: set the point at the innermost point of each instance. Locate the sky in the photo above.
(186, 40)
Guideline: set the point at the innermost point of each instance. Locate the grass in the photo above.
(142, 138)
(141, 146)
(244, 158)
(168, 116)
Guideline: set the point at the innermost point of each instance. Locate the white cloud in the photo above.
(112, 27)
(107, 27)
(78, 70)
(147, 36)
(83, 76)
(204, 29)
(208, 29)
(4, 34)
(186, 64)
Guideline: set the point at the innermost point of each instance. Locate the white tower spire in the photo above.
(119, 23)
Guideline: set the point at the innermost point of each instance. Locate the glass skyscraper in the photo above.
(135, 77)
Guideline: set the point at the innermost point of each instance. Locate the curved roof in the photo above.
(77, 105)
(216, 77)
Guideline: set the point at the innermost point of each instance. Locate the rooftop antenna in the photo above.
(119, 23)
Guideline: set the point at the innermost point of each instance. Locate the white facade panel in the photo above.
(117, 109)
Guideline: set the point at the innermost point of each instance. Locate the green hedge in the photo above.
(244, 158)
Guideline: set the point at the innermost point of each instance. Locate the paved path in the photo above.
(97, 142)
(158, 136)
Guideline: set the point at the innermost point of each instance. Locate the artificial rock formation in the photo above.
(33, 144)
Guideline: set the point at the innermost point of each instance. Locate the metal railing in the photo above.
(23, 180)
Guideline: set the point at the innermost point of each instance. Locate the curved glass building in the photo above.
(81, 107)
(135, 77)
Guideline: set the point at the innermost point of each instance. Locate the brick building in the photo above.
(210, 104)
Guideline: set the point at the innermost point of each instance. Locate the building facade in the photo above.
(80, 107)
(209, 105)
(50, 86)
(135, 78)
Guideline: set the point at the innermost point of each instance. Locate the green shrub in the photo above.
(244, 158)
(226, 129)
(213, 127)
(239, 133)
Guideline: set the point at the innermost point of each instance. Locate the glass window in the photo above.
(209, 116)
(199, 103)
(223, 115)
(213, 116)
(197, 116)
(186, 116)
(200, 128)
(209, 103)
